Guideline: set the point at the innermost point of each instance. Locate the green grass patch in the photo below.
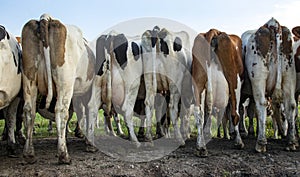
(41, 126)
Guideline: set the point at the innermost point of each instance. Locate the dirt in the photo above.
(223, 160)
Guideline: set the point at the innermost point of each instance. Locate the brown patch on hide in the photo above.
(31, 48)
(57, 39)
(286, 43)
(262, 39)
(296, 31)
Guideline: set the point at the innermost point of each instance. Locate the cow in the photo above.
(10, 83)
(119, 71)
(167, 64)
(270, 65)
(273, 109)
(216, 48)
(296, 51)
(57, 62)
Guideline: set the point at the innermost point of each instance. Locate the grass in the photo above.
(41, 126)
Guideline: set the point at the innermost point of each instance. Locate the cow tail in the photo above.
(44, 29)
(209, 92)
(278, 90)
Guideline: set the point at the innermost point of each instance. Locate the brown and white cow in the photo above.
(10, 82)
(224, 51)
(296, 51)
(270, 65)
(57, 62)
(166, 61)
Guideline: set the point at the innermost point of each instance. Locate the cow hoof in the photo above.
(30, 159)
(244, 134)
(181, 143)
(260, 148)
(79, 134)
(137, 144)
(202, 152)
(21, 139)
(149, 144)
(291, 147)
(239, 145)
(112, 133)
(297, 144)
(63, 159)
(91, 148)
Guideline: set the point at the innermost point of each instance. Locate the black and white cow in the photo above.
(120, 68)
(10, 82)
(57, 62)
(167, 63)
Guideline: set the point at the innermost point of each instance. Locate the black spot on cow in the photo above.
(163, 44)
(135, 50)
(120, 45)
(254, 52)
(3, 33)
(15, 61)
(253, 64)
(177, 44)
(154, 35)
(252, 74)
(100, 54)
(20, 58)
(252, 47)
(164, 47)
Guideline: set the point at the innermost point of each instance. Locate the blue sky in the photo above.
(95, 16)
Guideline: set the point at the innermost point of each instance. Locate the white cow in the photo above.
(270, 64)
(10, 82)
(57, 62)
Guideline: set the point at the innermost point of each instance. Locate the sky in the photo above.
(94, 17)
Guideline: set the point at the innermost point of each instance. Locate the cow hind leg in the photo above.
(11, 122)
(174, 100)
(61, 118)
(201, 146)
(29, 111)
(261, 106)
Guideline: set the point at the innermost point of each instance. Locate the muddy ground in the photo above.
(223, 160)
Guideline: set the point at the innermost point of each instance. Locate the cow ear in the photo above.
(135, 50)
(177, 45)
(296, 31)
